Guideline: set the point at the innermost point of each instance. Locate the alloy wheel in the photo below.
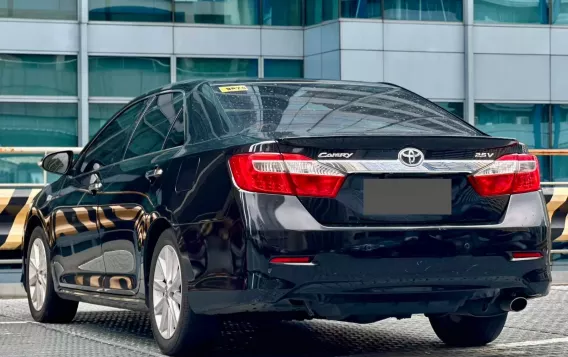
(37, 274)
(166, 290)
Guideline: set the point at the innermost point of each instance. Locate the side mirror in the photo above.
(58, 162)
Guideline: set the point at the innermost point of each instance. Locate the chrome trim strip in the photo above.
(389, 166)
(523, 259)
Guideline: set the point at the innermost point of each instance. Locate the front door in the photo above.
(77, 258)
(79, 261)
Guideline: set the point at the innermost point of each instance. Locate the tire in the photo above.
(468, 331)
(192, 332)
(52, 308)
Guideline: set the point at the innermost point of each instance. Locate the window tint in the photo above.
(198, 127)
(220, 124)
(155, 125)
(108, 147)
(177, 134)
(271, 111)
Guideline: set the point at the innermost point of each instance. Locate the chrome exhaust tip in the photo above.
(517, 304)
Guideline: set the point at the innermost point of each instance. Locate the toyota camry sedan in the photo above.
(289, 200)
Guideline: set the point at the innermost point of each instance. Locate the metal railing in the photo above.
(10, 261)
(47, 150)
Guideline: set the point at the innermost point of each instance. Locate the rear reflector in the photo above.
(510, 174)
(291, 260)
(285, 174)
(518, 256)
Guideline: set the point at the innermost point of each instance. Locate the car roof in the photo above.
(190, 84)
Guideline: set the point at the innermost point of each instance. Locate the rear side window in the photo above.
(108, 147)
(153, 128)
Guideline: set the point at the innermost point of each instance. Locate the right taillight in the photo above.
(285, 174)
(510, 174)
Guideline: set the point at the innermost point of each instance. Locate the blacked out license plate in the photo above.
(407, 196)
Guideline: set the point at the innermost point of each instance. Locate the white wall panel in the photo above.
(424, 37)
(144, 39)
(330, 37)
(312, 41)
(216, 41)
(282, 42)
(430, 74)
(331, 65)
(559, 41)
(361, 35)
(511, 40)
(312, 66)
(559, 78)
(38, 37)
(512, 77)
(364, 66)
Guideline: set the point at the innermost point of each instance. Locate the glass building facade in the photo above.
(58, 93)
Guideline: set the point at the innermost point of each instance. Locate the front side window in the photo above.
(154, 127)
(108, 147)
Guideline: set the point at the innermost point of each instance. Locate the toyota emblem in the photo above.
(411, 156)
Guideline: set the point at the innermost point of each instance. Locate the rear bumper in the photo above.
(341, 288)
(383, 271)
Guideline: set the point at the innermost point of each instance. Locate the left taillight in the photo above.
(285, 174)
(510, 174)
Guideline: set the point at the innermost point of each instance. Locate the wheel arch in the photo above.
(156, 229)
(32, 223)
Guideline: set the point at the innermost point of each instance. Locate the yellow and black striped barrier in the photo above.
(15, 204)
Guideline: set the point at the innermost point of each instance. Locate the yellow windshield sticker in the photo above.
(233, 89)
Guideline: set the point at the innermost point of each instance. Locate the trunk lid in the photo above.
(383, 187)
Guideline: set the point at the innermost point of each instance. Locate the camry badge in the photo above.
(411, 157)
(343, 155)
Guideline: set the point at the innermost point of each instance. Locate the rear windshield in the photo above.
(300, 109)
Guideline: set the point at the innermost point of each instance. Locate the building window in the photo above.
(424, 10)
(560, 141)
(318, 11)
(38, 9)
(227, 12)
(131, 10)
(188, 68)
(361, 9)
(38, 124)
(126, 76)
(282, 68)
(456, 108)
(99, 114)
(282, 12)
(520, 12)
(528, 123)
(38, 75)
(559, 12)
(34, 124)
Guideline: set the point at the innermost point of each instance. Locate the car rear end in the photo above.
(366, 202)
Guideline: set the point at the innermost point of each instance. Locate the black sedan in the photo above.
(290, 199)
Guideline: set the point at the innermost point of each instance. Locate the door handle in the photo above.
(96, 185)
(154, 174)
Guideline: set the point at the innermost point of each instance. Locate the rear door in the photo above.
(131, 194)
